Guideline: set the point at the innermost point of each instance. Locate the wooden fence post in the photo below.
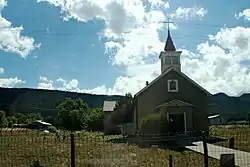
(72, 150)
(231, 142)
(204, 139)
(227, 160)
(170, 161)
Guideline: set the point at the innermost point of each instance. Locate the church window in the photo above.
(167, 60)
(172, 85)
(175, 60)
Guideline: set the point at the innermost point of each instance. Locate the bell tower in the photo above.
(170, 57)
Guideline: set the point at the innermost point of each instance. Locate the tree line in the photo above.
(73, 114)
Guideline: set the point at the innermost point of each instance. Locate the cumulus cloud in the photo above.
(10, 82)
(219, 67)
(217, 64)
(11, 39)
(45, 83)
(189, 13)
(1, 70)
(245, 14)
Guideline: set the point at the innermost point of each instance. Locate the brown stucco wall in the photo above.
(157, 94)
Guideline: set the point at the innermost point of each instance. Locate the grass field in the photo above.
(21, 148)
(240, 133)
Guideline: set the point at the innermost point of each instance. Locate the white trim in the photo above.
(165, 73)
(177, 86)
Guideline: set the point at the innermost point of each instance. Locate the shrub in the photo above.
(154, 124)
(51, 129)
(36, 164)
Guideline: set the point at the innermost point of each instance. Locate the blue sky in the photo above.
(106, 47)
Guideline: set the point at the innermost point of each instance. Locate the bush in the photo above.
(51, 129)
(154, 124)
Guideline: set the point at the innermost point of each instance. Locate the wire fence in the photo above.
(22, 148)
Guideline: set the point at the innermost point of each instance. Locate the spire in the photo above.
(169, 46)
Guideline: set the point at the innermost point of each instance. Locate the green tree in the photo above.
(95, 120)
(73, 114)
(11, 121)
(3, 120)
(154, 124)
(123, 112)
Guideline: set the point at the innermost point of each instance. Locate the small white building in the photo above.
(215, 119)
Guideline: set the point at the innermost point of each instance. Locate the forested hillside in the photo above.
(23, 100)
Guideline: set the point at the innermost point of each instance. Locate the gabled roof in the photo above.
(109, 106)
(175, 102)
(179, 72)
(169, 46)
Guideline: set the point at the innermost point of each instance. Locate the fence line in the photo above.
(22, 148)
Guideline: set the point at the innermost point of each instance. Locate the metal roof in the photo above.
(44, 123)
(109, 106)
(213, 116)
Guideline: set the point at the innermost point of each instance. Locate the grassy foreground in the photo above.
(92, 150)
(240, 133)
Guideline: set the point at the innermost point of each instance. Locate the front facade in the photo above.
(175, 94)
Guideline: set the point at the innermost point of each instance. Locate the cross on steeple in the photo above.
(169, 46)
(168, 22)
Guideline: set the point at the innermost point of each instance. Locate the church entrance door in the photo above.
(177, 123)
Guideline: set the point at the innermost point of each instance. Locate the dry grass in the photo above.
(240, 133)
(92, 150)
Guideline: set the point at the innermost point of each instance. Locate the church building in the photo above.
(183, 100)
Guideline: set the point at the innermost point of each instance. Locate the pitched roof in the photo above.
(169, 46)
(175, 102)
(179, 72)
(109, 105)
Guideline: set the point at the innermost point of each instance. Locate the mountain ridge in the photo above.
(25, 100)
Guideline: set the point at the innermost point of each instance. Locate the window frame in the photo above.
(177, 86)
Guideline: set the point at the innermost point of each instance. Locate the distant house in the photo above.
(216, 119)
(108, 108)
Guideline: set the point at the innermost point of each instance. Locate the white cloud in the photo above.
(219, 67)
(189, 13)
(245, 14)
(3, 3)
(216, 64)
(45, 83)
(11, 39)
(119, 15)
(1, 70)
(10, 82)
